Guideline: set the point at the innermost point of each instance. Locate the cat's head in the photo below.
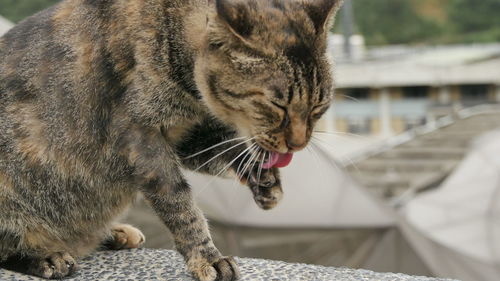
(264, 70)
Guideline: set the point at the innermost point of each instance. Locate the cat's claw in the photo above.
(223, 269)
(54, 266)
(267, 191)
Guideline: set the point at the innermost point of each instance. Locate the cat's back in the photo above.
(32, 56)
(70, 66)
(55, 69)
(55, 86)
(21, 48)
(28, 32)
(22, 63)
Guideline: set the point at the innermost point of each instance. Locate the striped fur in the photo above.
(103, 99)
(270, 64)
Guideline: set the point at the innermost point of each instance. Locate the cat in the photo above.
(102, 100)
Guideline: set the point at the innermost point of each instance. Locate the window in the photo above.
(474, 94)
(357, 93)
(359, 126)
(417, 92)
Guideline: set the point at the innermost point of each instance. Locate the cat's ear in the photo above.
(321, 12)
(236, 14)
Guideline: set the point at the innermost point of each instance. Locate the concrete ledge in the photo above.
(145, 264)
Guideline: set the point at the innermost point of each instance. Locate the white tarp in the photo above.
(316, 194)
(456, 228)
(5, 25)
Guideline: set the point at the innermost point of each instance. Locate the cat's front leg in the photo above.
(214, 148)
(157, 173)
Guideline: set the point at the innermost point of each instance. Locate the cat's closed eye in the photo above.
(215, 46)
(285, 121)
(254, 93)
(318, 111)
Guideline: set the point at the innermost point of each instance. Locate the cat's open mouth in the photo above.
(277, 160)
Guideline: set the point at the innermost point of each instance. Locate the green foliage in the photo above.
(380, 21)
(16, 10)
(401, 21)
(392, 22)
(474, 16)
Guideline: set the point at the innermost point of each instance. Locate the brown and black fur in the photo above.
(103, 99)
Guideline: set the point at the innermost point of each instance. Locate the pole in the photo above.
(347, 26)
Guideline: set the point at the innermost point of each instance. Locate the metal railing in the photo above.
(429, 127)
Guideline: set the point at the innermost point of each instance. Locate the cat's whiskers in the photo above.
(314, 154)
(221, 153)
(225, 169)
(213, 146)
(339, 134)
(317, 141)
(246, 167)
(260, 167)
(315, 145)
(256, 161)
(247, 155)
(348, 97)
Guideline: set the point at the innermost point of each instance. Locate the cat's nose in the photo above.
(293, 145)
(296, 140)
(296, 134)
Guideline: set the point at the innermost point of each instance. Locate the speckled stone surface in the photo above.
(144, 264)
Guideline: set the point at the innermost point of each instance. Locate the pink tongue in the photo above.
(278, 160)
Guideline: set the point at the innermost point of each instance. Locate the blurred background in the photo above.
(403, 173)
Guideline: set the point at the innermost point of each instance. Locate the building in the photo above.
(393, 89)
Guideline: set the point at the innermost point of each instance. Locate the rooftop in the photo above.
(396, 66)
(421, 158)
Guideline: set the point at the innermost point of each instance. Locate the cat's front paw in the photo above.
(267, 191)
(222, 269)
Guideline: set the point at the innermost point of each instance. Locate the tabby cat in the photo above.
(101, 100)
